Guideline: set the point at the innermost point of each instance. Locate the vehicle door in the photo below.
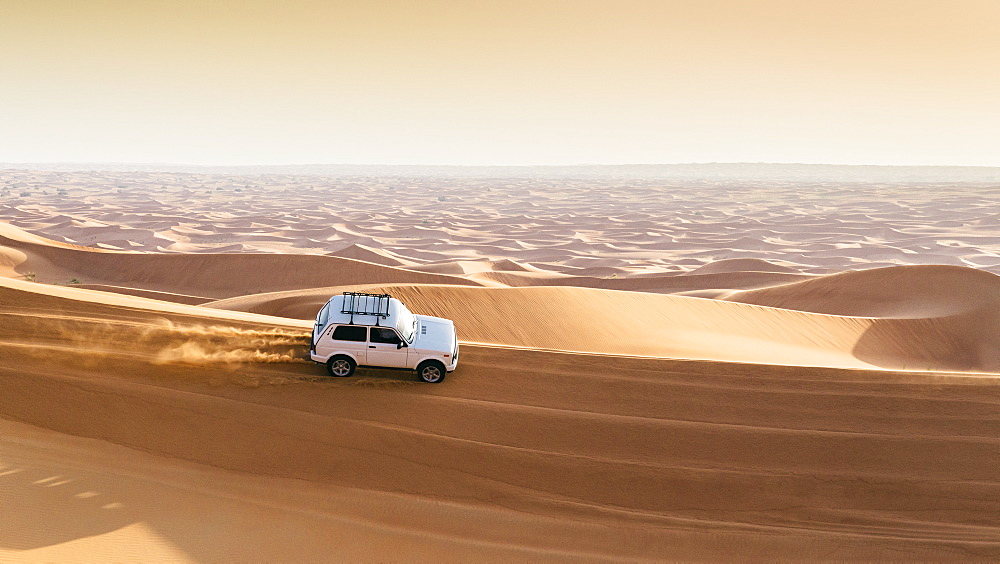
(384, 350)
(352, 339)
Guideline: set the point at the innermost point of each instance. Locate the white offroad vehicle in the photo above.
(359, 329)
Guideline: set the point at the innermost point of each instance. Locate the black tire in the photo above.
(341, 366)
(431, 371)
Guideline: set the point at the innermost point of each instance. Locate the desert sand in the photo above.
(651, 369)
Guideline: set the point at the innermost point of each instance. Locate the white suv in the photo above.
(359, 329)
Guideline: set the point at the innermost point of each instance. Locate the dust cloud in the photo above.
(160, 340)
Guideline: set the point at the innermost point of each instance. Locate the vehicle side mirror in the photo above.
(400, 345)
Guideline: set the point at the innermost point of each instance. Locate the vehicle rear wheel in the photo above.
(341, 366)
(431, 371)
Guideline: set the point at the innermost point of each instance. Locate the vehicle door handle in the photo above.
(371, 346)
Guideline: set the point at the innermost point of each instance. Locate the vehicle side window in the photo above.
(350, 333)
(385, 335)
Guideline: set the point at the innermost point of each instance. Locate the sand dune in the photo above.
(368, 254)
(620, 226)
(741, 265)
(165, 296)
(610, 322)
(897, 292)
(660, 282)
(213, 275)
(160, 406)
(643, 444)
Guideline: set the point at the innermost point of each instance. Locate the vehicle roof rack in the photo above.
(361, 303)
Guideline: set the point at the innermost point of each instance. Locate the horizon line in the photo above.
(549, 165)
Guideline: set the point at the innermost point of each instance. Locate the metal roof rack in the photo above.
(361, 303)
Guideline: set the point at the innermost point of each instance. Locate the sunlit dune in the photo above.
(687, 379)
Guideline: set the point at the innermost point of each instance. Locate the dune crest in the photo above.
(740, 265)
(213, 275)
(900, 292)
(368, 254)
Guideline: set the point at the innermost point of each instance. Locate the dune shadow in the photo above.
(920, 344)
(47, 507)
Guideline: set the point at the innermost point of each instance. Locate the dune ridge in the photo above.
(896, 292)
(940, 331)
(212, 275)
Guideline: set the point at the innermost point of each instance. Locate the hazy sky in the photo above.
(505, 82)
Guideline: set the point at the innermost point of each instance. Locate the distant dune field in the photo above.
(650, 370)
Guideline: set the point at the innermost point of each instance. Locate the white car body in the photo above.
(394, 338)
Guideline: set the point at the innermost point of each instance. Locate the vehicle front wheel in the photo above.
(341, 366)
(431, 371)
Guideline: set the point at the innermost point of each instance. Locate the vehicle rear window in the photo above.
(323, 316)
(350, 333)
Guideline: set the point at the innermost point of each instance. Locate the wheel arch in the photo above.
(348, 354)
(425, 358)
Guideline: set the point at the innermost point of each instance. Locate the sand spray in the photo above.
(161, 340)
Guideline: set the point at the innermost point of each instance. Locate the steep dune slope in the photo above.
(529, 454)
(925, 312)
(608, 322)
(588, 320)
(611, 322)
